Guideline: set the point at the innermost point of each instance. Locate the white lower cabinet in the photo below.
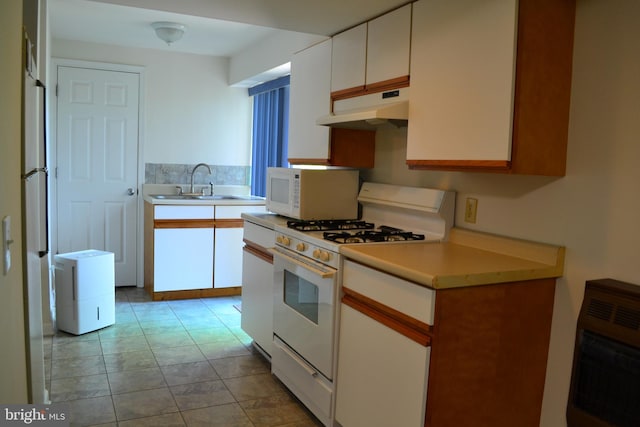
(384, 349)
(183, 259)
(183, 248)
(382, 375)
(257, 285)
(194, 249)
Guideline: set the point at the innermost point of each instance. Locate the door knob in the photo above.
(130, 192)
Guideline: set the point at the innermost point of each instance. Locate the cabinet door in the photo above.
(348, 59)
(462, 81)
(388, 42)
(183, 259)
(228, 257)
(310, 99)
(382, 375)
(257, 300)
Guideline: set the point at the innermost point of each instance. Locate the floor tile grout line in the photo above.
(210, 362)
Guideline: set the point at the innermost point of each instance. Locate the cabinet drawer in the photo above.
(312, 389)
(183, 212)
(234, 212)
(259, 235)
(409, 298)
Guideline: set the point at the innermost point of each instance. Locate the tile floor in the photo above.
(168, 363)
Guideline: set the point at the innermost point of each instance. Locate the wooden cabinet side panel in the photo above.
(148, 248)
(489, 355)
(353, 147)
(543, 86)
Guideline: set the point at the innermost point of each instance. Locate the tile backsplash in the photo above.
(180, 174)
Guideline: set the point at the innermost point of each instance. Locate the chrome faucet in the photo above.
(194, 171)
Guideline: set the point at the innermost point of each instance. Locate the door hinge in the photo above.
(56, 90)
(56, 173)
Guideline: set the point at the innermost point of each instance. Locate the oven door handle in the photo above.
(313, 267)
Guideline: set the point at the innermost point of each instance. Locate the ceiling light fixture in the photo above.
(168, 31)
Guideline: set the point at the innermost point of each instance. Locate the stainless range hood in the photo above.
(370, 111)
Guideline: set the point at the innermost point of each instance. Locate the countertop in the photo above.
(468, 258)
(235, 201)
(265, 219)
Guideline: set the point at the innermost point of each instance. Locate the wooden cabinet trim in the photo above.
(460, 165)
(385, 85)
(395, 83)
(228, 223)
(408, 326)
(183, 223)
(347, 93)
(303, 161)
(195, 293)
(257, 251)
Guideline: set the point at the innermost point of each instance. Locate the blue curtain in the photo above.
(270, 130)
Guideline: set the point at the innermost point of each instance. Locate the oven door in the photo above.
(304, 307)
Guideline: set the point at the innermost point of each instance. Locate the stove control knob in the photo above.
(301, 247)
(321, 255)
(283, 240)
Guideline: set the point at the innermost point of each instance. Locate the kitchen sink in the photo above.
(193, 197)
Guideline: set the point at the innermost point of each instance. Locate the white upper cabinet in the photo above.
(373, 52)
(348, 59)
(490, 85)
(388, 46)
(310, 98)
(462, 80)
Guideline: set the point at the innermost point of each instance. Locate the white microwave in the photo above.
(313, 194)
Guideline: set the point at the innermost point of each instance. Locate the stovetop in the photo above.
(353, 231)
(330, 224)
(383, 234)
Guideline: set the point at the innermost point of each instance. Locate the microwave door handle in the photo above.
(324, 274)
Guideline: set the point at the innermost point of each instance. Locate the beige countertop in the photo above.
(265, 219)
(467, 259)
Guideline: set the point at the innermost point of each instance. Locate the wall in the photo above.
(191, 115)
(267, 54)
(593, 210)
(13, 368)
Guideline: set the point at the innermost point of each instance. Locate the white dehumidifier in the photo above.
(85, 291)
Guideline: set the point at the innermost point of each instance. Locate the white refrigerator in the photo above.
(34, 224)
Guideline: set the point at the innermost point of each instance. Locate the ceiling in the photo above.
(214, 27)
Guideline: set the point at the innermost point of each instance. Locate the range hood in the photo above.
(370, 111)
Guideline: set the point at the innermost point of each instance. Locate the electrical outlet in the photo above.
(471, 210)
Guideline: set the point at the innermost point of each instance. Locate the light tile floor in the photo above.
(168, 363)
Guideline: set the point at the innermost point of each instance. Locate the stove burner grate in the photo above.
(366, 236)
(329, 224)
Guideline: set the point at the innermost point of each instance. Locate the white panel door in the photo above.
(97, 155)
